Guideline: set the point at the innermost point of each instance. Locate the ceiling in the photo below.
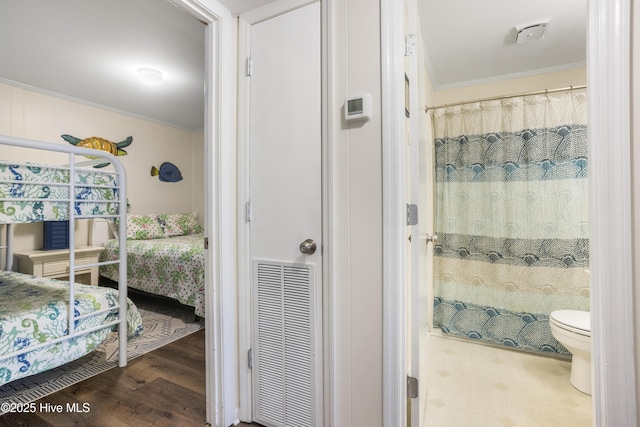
(89, 50)
(477, 45)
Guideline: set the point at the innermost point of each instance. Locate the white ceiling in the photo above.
(90, 49)
(470, 41)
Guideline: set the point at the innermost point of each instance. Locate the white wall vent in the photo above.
(529, 33)
(284, 344)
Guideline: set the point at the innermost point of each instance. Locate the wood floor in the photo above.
(165, 387)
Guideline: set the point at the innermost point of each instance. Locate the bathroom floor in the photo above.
(474, 385)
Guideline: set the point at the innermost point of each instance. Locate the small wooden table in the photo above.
(55, 263)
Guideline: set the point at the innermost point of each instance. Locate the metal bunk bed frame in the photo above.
(121, 180)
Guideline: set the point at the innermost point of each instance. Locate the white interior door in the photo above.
(284, 216)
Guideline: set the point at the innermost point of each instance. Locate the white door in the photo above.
(284, 216)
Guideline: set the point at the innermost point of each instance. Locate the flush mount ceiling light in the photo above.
(529, 33)
(149, 76)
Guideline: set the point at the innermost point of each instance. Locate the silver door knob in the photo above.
(308, 247)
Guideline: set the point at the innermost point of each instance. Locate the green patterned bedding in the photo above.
(32, 193)
(34, 310)
(172, 267)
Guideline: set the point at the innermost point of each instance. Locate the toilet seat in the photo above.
(575, 321)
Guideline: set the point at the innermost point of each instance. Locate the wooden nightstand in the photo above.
(55, 263)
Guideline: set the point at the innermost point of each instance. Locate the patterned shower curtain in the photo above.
(511, 218)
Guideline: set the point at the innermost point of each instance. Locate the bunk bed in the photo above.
(38, 331)
(165, 256)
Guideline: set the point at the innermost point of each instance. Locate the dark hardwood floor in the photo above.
(165, 387)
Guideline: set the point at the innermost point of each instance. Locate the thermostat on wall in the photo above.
(358, 108)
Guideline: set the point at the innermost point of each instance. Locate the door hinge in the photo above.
(250, 358)
(247, 212)
(412, 387)
(249, 66)
(409, 44)
(206, 243)
(412, 214)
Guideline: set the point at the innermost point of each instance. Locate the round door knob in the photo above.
(433, 239)
(308, 247)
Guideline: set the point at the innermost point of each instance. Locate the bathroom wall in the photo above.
(552, 80)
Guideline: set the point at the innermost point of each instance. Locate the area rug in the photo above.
(163, 322)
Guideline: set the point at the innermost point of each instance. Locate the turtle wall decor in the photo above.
(95, 142)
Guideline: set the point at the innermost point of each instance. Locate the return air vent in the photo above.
(284, 344)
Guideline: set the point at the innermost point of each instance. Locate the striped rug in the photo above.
(164, 322)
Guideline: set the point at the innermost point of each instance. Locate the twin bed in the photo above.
(38, 330)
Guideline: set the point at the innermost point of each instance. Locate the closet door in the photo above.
(284, 214)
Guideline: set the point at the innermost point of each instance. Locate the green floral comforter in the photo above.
(33, 310)
(172, 267)
(95, 193)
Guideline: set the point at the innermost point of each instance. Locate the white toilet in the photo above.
(572, 329)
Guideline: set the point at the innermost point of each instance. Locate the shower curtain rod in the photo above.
(495, 98)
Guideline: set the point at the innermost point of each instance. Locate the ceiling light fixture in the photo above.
(150, 76)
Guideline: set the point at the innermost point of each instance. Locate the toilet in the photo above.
(572, 329)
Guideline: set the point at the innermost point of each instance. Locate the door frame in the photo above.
(394, 256)
(219, 208)
(611, 230)
(245, 272)
(410, 19)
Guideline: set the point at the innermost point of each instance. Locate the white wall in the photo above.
(32, 115)
(554, 80)
(635, 207)
(356, 186)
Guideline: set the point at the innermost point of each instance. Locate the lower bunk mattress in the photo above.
(34, 310)
(172, 267)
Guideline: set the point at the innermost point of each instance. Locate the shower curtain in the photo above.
(511, 218)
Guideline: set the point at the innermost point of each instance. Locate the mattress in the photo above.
(34, 310)
(172, 267)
